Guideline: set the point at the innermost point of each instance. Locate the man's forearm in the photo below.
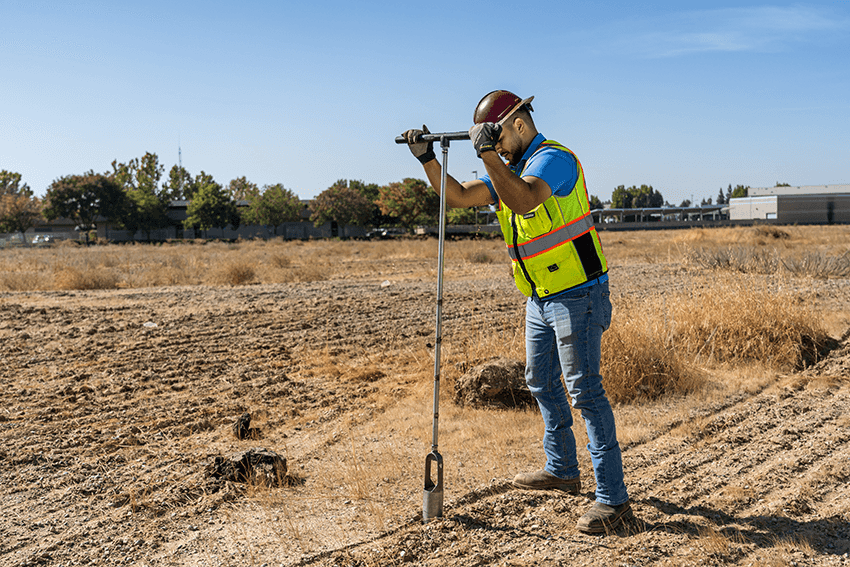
(512, 189)
(454, 190)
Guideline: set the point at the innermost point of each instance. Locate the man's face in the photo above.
(509, 145)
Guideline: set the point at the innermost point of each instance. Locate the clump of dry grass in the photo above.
(234, 272)
(737, 320)
(638, 363)
(819, 265)
(732, 322)
(476, 251)
(769, 231)
(21, 281)
(719, 546)
(755, 260)
(300, 273)
(279, 261)
(85, 277)
(743, 259)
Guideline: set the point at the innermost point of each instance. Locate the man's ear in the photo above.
(519, 125)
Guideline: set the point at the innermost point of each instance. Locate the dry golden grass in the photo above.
(738, 320)
(658, 347)
(681, 245)
(639, 361)
(815, 251)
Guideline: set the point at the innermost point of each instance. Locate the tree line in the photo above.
(645, 197)
(136, 196)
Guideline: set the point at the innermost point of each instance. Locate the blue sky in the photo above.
(686, 97)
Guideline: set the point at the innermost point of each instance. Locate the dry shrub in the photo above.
(732, 322)
(280, 261)
(88, 277)
(233, 272)
(743, 259)
(481, 257)
(639, 364)
(819, 265)
(738, 320)
(754, 260)
(22, 281)
(476, 251)
(768, 231)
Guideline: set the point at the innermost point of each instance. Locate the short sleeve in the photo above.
(556, 167)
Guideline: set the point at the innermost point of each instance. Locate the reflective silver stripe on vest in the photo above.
(555, 238)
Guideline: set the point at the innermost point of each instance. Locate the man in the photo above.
(559, 264)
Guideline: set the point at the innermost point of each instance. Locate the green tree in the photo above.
(371, 191)
(634, 197)
(273, 207)
(461, 215)
(341, 204)
(412, 201)
(646, 197)
(84, 198)
(621, 198)
(140, 180)
(240, 189)
(19, 210)
(721, 197)
(178, 185)
(210, 206)
(740, 191)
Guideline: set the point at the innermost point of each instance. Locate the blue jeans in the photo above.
(563, 335)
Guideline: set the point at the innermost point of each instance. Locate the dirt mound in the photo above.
(496, 384)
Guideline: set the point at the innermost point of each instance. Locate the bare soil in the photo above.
(116, 403)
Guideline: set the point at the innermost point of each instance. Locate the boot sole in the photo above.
(570, 488)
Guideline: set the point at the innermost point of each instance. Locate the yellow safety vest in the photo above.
(554, 247)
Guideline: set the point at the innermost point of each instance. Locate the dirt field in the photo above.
(116, 403)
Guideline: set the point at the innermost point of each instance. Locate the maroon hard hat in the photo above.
(498, 105)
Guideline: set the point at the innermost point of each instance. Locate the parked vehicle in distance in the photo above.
(385, 232)
(42, 240)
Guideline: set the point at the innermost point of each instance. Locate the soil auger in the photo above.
(432, 494)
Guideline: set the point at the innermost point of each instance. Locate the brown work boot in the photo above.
(543, 480)
(602, 518)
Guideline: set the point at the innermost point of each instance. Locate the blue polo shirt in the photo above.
(556, 167)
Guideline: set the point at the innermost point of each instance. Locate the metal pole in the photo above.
(432, 495)
(432, 500)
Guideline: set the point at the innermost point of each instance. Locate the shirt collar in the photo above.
(532, 147)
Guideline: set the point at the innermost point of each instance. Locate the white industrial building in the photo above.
(809, 204)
